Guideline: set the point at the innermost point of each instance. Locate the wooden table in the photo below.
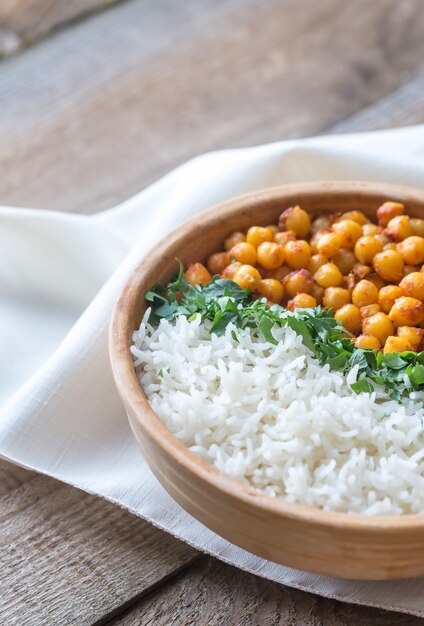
(89, 116)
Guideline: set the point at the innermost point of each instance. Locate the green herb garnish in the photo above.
(223, 302)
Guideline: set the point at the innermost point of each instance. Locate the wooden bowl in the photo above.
(337, 544)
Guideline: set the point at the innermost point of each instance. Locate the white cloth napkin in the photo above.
(59, 277)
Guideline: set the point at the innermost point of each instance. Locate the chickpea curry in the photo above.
(369, 275)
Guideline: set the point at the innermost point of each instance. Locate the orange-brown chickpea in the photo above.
(322, 222)
(278, 274)
(335, 297)
(247, 277)
(350, 317)
(413, 285)
(410, 269)
(282, 237)
(356, 216)
(318, 292)
(314, 240)
(302, 301)
(417, 226)
(411, 250)
(271, 289)
(197, 274)
(328, 275)
(376, 280)
(371, 229)
(384, 239)
(258, 234)
(367, 342)
(217, 262)
(273, 227)
(407, 311)
(296, 282)
(348, 231)
(366, 248)
(244, 252)
(233, 239)
(345, 260)
(389, 265)
(388, 295)
(378, 325)
(388, 211)
(329, 244)
(297, 253)
(389, 246)
(270, 255)
(399, 228)
(359, 271)
(396, 344)
(295, 219)
(369, 309)
(412, 335)
(230, 270)
(316, 261)
(364, 293)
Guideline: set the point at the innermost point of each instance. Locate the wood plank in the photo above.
(70, 558)
(24, 21)
(94, 113)
(211, 593)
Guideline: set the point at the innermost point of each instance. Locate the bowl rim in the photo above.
(129, 387)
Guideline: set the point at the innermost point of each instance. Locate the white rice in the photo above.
(273, 418)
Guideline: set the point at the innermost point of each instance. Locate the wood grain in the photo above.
(24, 21)
(95, 112)
(211, 593)
(70, 558)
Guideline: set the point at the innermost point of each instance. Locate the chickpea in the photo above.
(197, 274)
(329, 244)
(234, 239)
(278, 274)
(417, 226)
(258, 234)
(399, 228)
(244, 252)
(407, 311)
(389, 265)
(345, 260)
(364, 293)
(370, 229)
(411, 250)
(410, 269)
(349, 316)
(348, 231)
(396, 344)
(356, 216)
(295, 219)
(302, 301)
(297, 253)
(413, 285)
(321, 223)
(247, 277)
(313, 242)
(273, 227)
(271, 289)
(316, 261)
(335, 297)
(283, 237)
(367, 342)
(328, 275)
(388, 295)
(217, 262)
(270, 255)
(413, 336)
(296, 282)
(369, 309)
(230, 270)
(376, 280)
(378, 325)
(384, 239)
(390, 246)
(318, 292)
(388, 211)
(366, 248)
(359, 271)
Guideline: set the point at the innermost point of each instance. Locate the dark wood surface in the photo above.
(89, 116)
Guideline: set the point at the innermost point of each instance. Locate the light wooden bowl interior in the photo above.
(335, 544)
